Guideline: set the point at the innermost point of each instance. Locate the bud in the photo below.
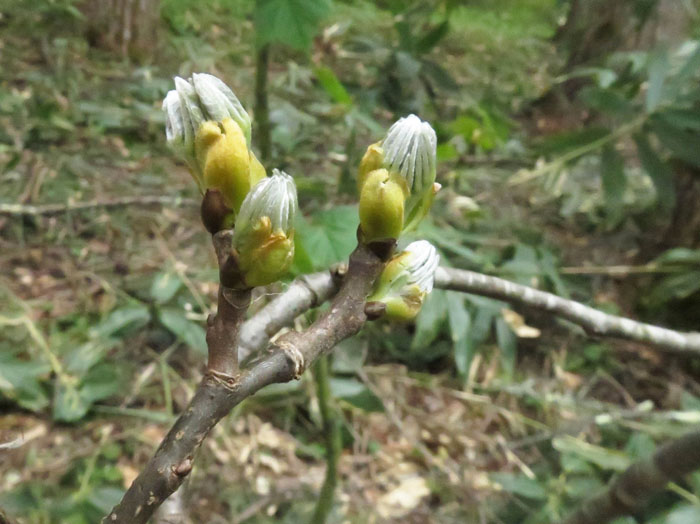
(408, 153)
(263, 238)
(406, 281)
(381, 206)
(207, 125)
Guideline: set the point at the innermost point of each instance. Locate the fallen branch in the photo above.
(216, 395)
(629, 492)
(55, 209)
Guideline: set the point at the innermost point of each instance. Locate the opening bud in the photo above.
(263, 238)
(408, 154)
(406, 281)
(207, 125)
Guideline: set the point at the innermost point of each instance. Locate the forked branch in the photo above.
(215, 398)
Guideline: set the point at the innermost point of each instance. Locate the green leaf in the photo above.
(430, 320)
(680, 255)
(20, 381)
(686, 514)
(613, 177)
(355, 393)
(564, 142)
(508, 343)
(84, 356)
(349, 355)
(329, 237)
(105, 498)
(680, 80)
(519, 484)
(658, 170)
(606, 459)
(460, 322)
(675, 287)
(192, 334)
(687, 119)
(101, 382)
(428, 41)
(289, 22)
(332, 86)
(683, 144)
(68, 404)
(164, 286)
(658, 69)
(131, 317)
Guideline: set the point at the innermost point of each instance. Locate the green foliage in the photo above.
(289, 22)
(653, 98)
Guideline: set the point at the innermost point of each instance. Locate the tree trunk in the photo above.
(127, 27)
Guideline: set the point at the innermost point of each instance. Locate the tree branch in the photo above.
(215, 398)
(304, 293)
(628, 493)
(591, 320)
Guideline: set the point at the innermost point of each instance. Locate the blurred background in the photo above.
(569, 155)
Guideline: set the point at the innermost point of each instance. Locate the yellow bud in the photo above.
(381, 206)
(264, 256)
(372, 160)
(222, 152)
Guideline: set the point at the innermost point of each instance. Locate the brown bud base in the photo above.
(230, 274)
(383, 248)
(375, 310)
(215, 212)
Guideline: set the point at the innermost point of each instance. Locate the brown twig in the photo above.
(629, 492)
(214, 398)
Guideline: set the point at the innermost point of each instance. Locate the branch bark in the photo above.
(304, 293)
(591, 320)
(214, 398)
(629, 492)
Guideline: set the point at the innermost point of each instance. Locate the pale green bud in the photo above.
(406, 280)
(408, 154)
(410, 150)
(263, 237)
